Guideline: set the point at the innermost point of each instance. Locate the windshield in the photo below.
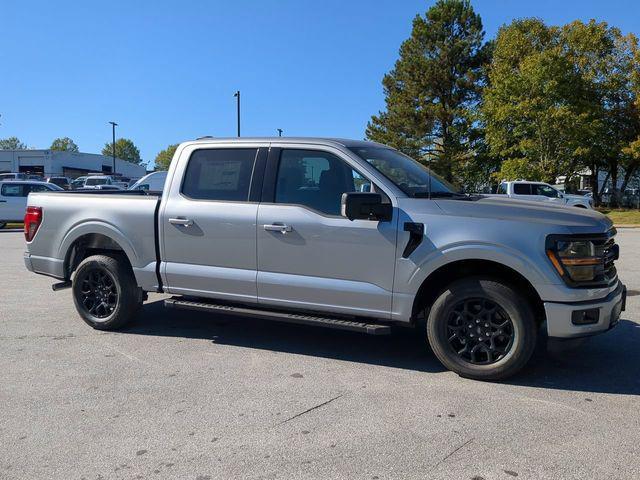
(96, 181)
(410, 176)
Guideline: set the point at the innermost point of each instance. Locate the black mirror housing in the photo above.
(365, 206)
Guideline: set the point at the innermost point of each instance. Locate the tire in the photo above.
(497, 314)
(105, 292)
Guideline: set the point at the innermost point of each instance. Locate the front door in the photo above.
(310, 257)
(209, 226)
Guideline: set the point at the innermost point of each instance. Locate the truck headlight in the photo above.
(575, 258)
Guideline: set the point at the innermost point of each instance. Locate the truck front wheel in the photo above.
(105, 292)
(481, 329)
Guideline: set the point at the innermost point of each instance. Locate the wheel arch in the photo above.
(437, 281)
(94, 239)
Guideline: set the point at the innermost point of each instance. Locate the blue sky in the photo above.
(167, 71)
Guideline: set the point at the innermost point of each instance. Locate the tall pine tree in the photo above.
(432, 94)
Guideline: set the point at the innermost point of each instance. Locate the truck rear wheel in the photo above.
(481, 329)
(105, 292)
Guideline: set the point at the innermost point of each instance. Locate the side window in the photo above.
(502, 189)
(15, 190)
(545, 190)
(316, 180)
(35, 188)
(219, 174)
(522, 188)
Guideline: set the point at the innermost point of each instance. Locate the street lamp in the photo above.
(113, 146)
(279, 132)
(237, 95)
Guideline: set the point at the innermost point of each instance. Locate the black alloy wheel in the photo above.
(479, 331)
(98, 292)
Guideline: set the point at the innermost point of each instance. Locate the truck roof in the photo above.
(344, 142)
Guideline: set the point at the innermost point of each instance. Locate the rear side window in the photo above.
(522, 188)
(13, 190)
(502, 189)
(219, 174)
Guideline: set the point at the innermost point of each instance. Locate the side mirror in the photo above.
(365, 206)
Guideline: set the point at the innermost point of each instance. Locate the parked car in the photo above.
(541, 192)
(78, 182)
(277, 229)
(19, 176)
(62, 182)
(94, 181)
(153, 182)
(123, 182)
(13, 198)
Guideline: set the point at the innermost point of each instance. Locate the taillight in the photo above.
(32, 220)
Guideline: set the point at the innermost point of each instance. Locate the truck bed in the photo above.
(126, 217)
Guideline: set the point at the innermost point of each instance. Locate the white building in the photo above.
(69, 164)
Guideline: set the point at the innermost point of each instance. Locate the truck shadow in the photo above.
(607, 363)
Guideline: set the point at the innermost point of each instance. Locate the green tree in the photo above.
(125, 149)
(561, 99)
(534, 105)
(12, 143)
(434, 89)
(163, 159)
(64, 144)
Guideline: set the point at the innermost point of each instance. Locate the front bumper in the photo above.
(559, 315)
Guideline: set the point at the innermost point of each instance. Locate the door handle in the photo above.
(184, 222)
(278, 227)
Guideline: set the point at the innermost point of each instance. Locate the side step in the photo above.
(354, 326)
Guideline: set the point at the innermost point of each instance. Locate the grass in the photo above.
(622, 216)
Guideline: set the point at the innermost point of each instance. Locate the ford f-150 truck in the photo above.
(345, 234)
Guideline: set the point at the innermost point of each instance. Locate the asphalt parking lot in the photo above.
(192, 396)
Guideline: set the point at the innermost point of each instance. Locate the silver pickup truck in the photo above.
(338, 233)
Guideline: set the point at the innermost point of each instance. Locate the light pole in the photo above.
(237, 95)
(279, 132)
(113, 146)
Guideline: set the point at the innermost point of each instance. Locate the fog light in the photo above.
(585, 317)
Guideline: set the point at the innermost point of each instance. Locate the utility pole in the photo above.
(237, 95)
(113, 146)
(279, 132)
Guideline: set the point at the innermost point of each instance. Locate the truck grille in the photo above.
(608, 250)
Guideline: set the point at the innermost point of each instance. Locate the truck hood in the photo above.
(576, 220)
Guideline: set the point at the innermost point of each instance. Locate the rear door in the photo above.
(209, 223)
(521, 191)
(13, 200)
(309, 256)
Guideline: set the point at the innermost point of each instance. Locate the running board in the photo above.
(351, 325)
